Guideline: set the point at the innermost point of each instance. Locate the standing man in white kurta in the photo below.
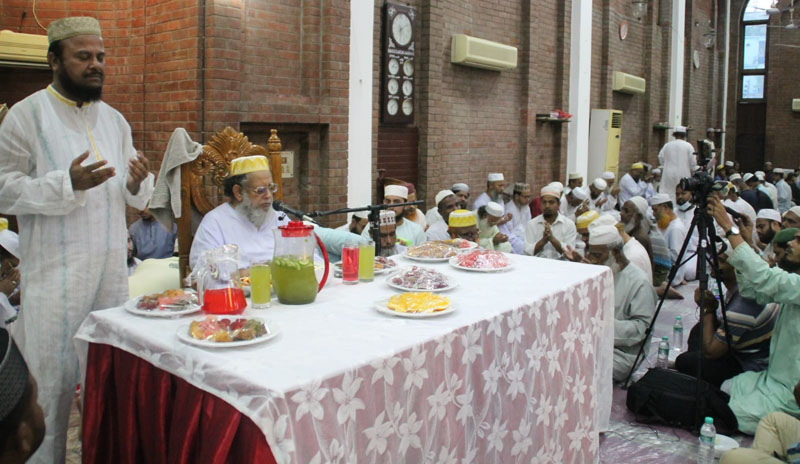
(679, 161)
(67, 169)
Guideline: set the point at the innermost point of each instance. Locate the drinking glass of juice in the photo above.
(366, 261)
(350, 264)
(260, 284)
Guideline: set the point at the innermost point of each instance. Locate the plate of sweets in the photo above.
(417, 278)
(383, 264)
(481, 261)
(226, 331)
(438, 250)
(170, 303)
(416, 305)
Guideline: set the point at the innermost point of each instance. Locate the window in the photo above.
(753, 68)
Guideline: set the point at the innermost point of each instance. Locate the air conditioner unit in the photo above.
(796, 104)
(23, 49)
(628, 83)
(605, 133)
(480, 53)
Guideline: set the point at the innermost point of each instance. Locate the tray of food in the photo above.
(416, 305)
(170, 303)
(226, 331)
(438, 250)
(481, 261)
(417, 278)
(383, 264)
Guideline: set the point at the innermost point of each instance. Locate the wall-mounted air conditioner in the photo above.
(628, 83)
(480, 53)
(23, 49)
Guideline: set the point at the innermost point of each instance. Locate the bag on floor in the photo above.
(667, 396)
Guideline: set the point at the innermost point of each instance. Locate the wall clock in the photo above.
(397, 75)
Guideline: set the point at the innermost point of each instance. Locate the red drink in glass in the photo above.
(350, 264)
(224, 301)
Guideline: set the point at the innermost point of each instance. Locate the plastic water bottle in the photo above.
(677, 334)
(705, 450)
(663, 353)
(712, 284)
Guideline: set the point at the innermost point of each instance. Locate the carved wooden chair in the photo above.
(202, 181)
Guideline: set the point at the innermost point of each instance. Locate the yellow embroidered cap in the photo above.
(247, 164)
(65, 28)
(3, 224)
(637, 166)
(586, 218)
(462, 218)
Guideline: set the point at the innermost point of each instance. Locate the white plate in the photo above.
(131, 307)
(338, 266)
(455, 264)
(434, 290)
(382, 307)
(472, 246)
(724, 443)
(183, 334)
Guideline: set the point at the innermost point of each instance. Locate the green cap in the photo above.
(677, 318)
(666, 339)
(786, 235)
(709, 420)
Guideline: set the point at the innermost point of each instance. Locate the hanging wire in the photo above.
(36, 17)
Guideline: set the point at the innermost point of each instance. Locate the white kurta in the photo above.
(520, 217)
(784, 196)
(742, 207)
(566, 209)
(563, 230)
(482, 200)
(637, 255)
(408, 231)
(224, 224)
(629, 188)
(611, 202)
(438, 231)
(432, 215)
(674, 234)
(772, 191)
(679, 161)
(73, 244)
(634, 305)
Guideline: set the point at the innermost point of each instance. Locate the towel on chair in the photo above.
(166, 202)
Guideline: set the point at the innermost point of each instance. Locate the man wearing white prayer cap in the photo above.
(737, 203)
(445, 204)
(358, 221)
(679, 161)
(596, 190)
(611, 193)
(489, 235)
(519, 209)
(574, 180)
(767, 187)
(462, 195)
(495, 184)
(409, 233)
(68, 170)
(783, 188)
(669, 224)
(768, 223)
(634, 297)
(791, 218)
(655, 180)
(548, 234)
(389, 245)
(755, 193)
(632, 184)
(573, 203)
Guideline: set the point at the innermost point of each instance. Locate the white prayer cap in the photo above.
(760, 175)
(656, 171)
(396, 191)
(10, 241)
(608, 175)
(659, 198)
(600, 184)
(603, 234)
(460, 187)
(574, 176)
(771, 214)
(361, 214)
(580, 193)
(387, 217)
(551, 190)
(495, 176)
(557, 185)
(640, 203)
(520, 187)
(710, 129)
(442, 195)
(795, 210)
(495, 209)
(747, 177)
(679, 130)
(734, 176)
(729, 164)
(605, 220)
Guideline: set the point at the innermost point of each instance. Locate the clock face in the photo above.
(401, 29)
(408, 108)
(391, 107)
(408, 68)
(408, 87)
(393, 86)
(394, 66)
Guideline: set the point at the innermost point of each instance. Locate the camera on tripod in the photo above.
(700, 185)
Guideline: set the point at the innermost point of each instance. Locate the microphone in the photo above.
(278, 205)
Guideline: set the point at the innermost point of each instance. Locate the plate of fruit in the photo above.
(227, 331)
(481, 261)
(417, 278)
(416, 305)
(170, 303)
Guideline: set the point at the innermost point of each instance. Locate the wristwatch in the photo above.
(732, 231)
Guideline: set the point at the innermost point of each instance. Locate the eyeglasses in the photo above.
(272, 188)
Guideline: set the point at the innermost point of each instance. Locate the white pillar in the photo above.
(677, 51)
(580, 76)
(359, 137)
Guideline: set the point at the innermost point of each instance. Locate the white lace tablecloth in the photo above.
(520, 372)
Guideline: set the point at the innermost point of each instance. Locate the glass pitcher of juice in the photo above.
(293, 276)
(218, 286)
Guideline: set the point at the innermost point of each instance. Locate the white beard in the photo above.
(614, 265)
(255, 215)
(629, 226)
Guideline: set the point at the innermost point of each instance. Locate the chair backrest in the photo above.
(202, 181)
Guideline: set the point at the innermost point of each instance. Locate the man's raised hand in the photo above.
(89, 176)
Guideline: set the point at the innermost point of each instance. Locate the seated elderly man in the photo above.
(611, 193)
(495, 184)
(408, 232)
(357, 223)
(445, 204)
(489, 235)
(634, 297)
(632, 184)
(768, 224)
(674, 233)
(247, 218)
(21, 418)
(389, 245)
(597, 198)
(573, 203)
(548, 234)
(519, 210)
(755, 394)
(461, 191)
(574, 180)
(463, 224)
